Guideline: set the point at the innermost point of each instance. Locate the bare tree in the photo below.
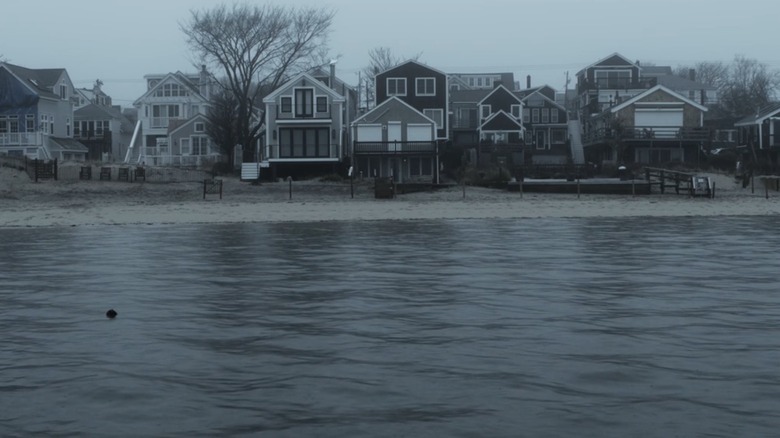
(751, 85)
(743, 86)
(222, 116)
(710, 73)
(379, 60)
(256, 48)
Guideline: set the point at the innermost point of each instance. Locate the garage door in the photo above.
(421, 132)
(369, 133)
(663, 122)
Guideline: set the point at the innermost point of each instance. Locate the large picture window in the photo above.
(304, 102)
(304, 143)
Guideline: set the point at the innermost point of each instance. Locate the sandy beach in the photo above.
(24, 203)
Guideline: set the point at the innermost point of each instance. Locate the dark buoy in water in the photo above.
(111, 314)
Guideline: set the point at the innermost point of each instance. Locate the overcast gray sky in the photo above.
(121, 41)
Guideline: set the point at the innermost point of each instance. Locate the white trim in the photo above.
(425, 79)
(396, 79)
(650, 91)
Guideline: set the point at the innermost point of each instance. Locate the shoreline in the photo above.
(25, 204)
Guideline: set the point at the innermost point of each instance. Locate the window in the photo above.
(479, 82)
(471, 81)
(13, 124)
(304, 102)
(612, 79)
(516, 111)
(426, 86)
(171, 90)
(63, 91)
(162, 113)
(200, 127)
(67, 127)
(554, 115)
(3, 125)
(545, 115)
(535, 115)
(396, 86)
(322, 104)
(526, 115)
(437, 115)
(286, 104)
(304, 142)
(185, 146)
(420, 166)
(30, 123)
(199, 145)
(195, 110)
(485, 111)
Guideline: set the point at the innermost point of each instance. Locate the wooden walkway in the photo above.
(688, 183)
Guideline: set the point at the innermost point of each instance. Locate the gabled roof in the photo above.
(468, 96)
(657, 70)
(675, 82)
(66, 144)
(500, 121)
(503, 89)
(180, 78)
(764, 113)
(650, 91)
(617, 55)
(411, 61)
(540, 94)
(316, 83)
(378, 111)
(182, 123)
(40, 81)
(539, 88)
(319, 73)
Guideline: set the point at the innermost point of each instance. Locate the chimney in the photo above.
(203, 85)
(332, 80)
(528, 81)
(692, 74)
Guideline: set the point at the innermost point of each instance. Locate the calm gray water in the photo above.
(556, 327)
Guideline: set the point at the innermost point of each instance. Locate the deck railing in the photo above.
(393, 147)
(648, 133)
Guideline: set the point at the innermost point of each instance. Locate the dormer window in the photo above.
(200, 127)
(63, 92)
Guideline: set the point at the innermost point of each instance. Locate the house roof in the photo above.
(540, 94)
(66, 145)
(540, 88)
(271, 98)
(378, 111)
(764, 113)
(679, 83)
(179, 77)
(411, 61)
(650, 91)
(320, 72)
(606, 58)
(173, 127)
(92, 111)
(40, 81)
(656, 70)
(502, 89)
(500, 121)
(468, 96)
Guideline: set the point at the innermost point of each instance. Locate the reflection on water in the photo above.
(650, 327)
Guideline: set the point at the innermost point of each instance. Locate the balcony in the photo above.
(21, 139)
(394, 147)
(303, 152)
(616, 84)
(647, 134)
(162, 122)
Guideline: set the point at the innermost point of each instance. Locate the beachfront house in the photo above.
(656, 127)
(99, 125)
(395, 140)
(305, 128)
(500, 131)
(36, 114)
(546, 128)
(170, 100)
(759, 137)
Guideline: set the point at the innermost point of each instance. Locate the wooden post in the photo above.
(35, 163)
(56, 169)
(712, 195)
(663, 182)
(752, 184)
(351, 185)
(289, 178)
(463, 183)
(633, 187)
(521, 188)
(766, 188)
(578, 187)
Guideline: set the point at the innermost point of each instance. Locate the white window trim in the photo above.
(482, 109)
(387, 84)
(202, 127)
(425, 81)
(519, 109)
